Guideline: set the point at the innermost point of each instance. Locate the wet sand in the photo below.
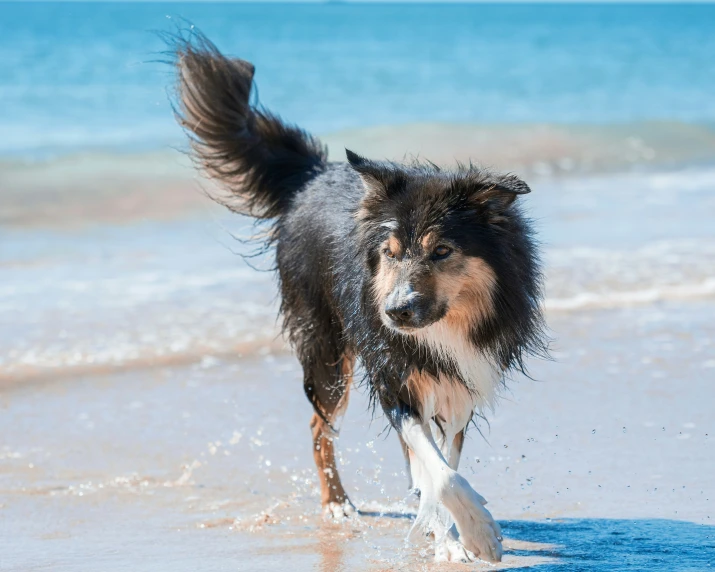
(600, 463)
(98, 188)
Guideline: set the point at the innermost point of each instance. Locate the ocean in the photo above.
(152, 416)
(77, 76)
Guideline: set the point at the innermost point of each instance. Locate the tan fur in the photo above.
(387, 272)
(428, 241)
(395, 246)
(469, 293)
(331, 488)
(446, 399)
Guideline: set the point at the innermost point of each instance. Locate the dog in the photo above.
(430, 278)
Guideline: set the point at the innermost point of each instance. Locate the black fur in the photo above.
(327, 229)
(259, 159)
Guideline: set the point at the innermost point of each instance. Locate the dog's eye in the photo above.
(441, 252)
(389, 253)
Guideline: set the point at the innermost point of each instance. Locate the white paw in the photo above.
(450, 549)
(339, 510)
(432, 518)
(478, 531)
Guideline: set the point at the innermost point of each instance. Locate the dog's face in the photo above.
(423, 277)
(433, 240)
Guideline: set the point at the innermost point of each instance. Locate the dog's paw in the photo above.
(450, 549)
(478, 531)
(432, 519)
(339, 510)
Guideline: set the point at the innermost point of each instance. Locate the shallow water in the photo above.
(106, 297)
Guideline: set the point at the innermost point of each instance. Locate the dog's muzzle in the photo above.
(403, 308)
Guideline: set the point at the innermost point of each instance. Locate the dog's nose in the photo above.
(401, 312)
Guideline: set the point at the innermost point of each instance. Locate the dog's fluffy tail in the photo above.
(258, 159)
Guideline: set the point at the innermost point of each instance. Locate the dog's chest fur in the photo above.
(450, 399)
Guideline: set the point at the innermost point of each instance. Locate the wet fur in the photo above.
(330, 225)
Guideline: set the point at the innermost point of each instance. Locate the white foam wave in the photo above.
(586, 277)
(587, 300)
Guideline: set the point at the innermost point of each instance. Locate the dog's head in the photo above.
(438, 243)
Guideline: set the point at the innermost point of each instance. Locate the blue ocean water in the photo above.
(84, 75)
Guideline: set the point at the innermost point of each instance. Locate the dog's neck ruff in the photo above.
(477, 370)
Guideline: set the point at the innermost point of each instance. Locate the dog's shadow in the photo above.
(605, 545)
(610, 545)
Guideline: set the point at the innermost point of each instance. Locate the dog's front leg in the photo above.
(440, 484)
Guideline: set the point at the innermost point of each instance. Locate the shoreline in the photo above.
(16, 377)
(168, 285)
(117, 187)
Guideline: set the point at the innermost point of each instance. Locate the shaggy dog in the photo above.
(430, 278)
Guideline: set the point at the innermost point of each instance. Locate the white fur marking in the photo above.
(441, 488)
(446, 497)
(478, 371)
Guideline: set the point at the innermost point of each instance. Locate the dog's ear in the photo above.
(501, 192)
(355, 160)
(375, 177)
